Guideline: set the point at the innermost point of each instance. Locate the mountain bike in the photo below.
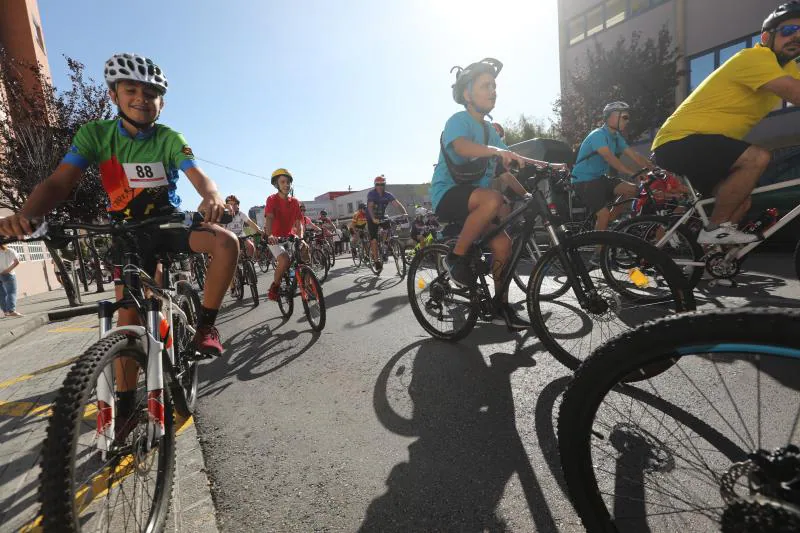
(103, 469)
(677, 235)
(690, 423)
(571, 295)
(319, 259)
(245, 274)
(264, 256)
(199, 265)
(384, 232)
(300, 277)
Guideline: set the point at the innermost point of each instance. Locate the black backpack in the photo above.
(468, 173)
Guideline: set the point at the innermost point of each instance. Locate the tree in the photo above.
(643, 74)
(527, 128)
(36, 131)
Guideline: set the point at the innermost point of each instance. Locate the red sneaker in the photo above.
(206, 341)
(273, 293)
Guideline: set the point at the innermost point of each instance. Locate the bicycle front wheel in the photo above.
(187, 366)
(399, 256)
(252, 280)
(313, 299)
(693, 448)
(572, 326)
(97, 471)
(442, 309)
(286, 296)
(319, 264)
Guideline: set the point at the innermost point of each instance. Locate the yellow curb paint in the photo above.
(97, 487)
(25, 377)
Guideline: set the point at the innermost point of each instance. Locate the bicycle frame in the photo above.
(736, 252)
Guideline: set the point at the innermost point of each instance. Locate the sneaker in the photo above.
(273, 293)
(14, 314)
(206, 341)
(507, 316)
(459, 270)
(726, 233)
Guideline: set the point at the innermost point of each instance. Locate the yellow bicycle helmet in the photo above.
(281, 172)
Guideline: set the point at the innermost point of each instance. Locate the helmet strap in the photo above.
(140, 126)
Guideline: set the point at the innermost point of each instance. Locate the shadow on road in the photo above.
(462, 410)
(363, 287)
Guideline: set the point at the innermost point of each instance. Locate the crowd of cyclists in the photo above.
(703, 140)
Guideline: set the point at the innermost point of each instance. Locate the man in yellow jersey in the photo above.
(703, 139)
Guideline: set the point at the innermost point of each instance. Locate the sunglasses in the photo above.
(788, 30)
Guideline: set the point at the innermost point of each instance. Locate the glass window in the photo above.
(20, 249)
(594, 21)
(349, 208)
(615, 12)
(699, 69)
(730, 51)
(637, 6)
(576, 29)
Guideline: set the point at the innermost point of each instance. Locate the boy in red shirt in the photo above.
(282, 218)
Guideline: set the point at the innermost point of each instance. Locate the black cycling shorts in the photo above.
(373, 228)
(598, 193)
(705, 160)
(153, 243)
(454, 205)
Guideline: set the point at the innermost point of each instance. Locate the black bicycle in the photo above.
(573, 295)
(104, 465)
(690, 423)
(245, 274)
(300, 277)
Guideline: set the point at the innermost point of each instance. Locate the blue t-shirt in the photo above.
(461, 125)
(594, 166)
(381, 202)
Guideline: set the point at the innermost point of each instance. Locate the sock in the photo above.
(207, 316)
(125, 403)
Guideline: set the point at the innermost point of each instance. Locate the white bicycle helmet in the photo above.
(134, 67)
(421, 212)
(614, 106)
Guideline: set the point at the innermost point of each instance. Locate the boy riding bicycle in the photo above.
(462, 181)
(239, 223)
(378, 199)
(282, 218)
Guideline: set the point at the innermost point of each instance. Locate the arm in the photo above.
(638, 158)
(252, 225)
(370, 205)
(401, 206)
(786, 87)
(268, 224)
(613, 160)
(11, 267)
(299, 228)
(212, 207)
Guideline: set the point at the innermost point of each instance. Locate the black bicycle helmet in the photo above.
(783, 12)
(465, 76)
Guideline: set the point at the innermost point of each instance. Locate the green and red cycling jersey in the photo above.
(139, 173)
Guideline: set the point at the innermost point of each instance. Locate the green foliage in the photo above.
(643, 74)
(526, 128)
(36, 132)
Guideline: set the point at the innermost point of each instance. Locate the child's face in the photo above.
(284, 184)
(484, 92)
(139, 101)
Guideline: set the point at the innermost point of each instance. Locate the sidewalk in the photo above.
(37, 307)
(31, 371)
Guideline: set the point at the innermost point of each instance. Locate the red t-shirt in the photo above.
(284, 212)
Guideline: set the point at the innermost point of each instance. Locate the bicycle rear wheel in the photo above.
(442, 309)
(570, 328)
(696, 446)
(252, 280)
(313, 299)
(319, 264)
(399, 256)
(186, 366)
(199, 271)
(264, 260)
(355, 251)
(84, 487)
(286, 292)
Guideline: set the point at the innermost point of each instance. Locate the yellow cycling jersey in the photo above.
(731, 100)
(359, 219)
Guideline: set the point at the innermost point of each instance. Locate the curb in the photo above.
(70, 312)
(26, 327)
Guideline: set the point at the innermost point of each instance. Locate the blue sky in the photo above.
(337, 92)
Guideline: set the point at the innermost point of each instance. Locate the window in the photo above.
(39, 37)
(36, 251)
(615, 12)
(637, 6)
(349, 208)
(731, 50)
(594, 21)
(20, 249)
(699, 69)
(576, 29)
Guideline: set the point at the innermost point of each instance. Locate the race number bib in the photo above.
(145, 175)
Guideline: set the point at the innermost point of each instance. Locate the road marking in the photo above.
(86, 325)
(97, 487)
(25, 377)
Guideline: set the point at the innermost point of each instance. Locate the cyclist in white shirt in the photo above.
(239, 223)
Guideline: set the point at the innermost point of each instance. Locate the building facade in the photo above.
(22, 39)
(706, 32)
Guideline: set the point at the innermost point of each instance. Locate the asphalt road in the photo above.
(373, 426)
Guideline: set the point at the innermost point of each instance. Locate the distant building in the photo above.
(22, 38)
